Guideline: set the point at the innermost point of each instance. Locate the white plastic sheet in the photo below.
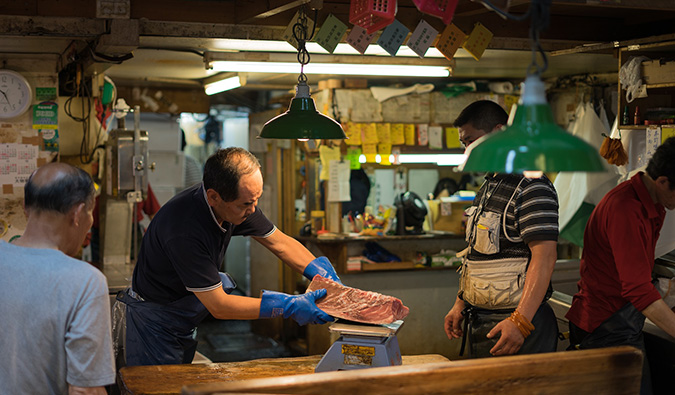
(574, 188)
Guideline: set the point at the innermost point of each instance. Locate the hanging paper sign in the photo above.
(45, 116)
(478, 40)
(288, 33)
(652, 140)
(450, 40)
(397, 137)
(338, 183)
(384, 150)
(370, 151)
(353, 132)
(359, 39)
(353, 155)
(409, 133)
(422, 38)
(384, 133)
(331, 33)
(369, 133)
(392, 37)
(327, 154)
(423, 134)
(452, 138)
(435, 137)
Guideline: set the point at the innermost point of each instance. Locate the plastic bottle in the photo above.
(626, 117)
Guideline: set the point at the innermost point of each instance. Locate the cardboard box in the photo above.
(447, 216)
(658, 71)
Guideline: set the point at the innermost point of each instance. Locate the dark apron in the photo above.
(479, 322)
(158, 334)
(623, 328)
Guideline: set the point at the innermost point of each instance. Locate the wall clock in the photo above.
(16, 94)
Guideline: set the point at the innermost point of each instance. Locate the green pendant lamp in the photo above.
(533, 142)
(302, 121)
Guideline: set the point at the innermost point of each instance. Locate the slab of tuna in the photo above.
(357, 305)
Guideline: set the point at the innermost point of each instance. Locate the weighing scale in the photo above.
(361, 346)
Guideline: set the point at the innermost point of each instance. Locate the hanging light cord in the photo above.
(538, 12)
(300, 36)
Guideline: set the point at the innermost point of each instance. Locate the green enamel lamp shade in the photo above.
(533, 142)
(302, 121)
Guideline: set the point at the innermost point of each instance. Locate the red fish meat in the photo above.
(357, 305)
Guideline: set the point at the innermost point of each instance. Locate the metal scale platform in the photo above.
(361, 346)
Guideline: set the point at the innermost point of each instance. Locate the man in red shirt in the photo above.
(615, 290)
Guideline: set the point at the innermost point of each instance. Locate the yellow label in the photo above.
(353, 132)
(369, 133)
(667, 132)
(383, 132)
(409, 132)
(358, 350)
(452, 138)
(397, 136)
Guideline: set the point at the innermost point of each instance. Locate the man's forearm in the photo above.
(538, 277)
(659, 313)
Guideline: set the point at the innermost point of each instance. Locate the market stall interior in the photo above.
(141, 92)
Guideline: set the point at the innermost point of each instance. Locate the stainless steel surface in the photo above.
(122, 149)
(115, 231)
(384, 330)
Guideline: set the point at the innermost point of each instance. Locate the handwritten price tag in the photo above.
(422, 38)
(359, 39)
(331, 33)
(392, 37)
(450, 40)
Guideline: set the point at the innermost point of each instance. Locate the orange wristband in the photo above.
(523, 324)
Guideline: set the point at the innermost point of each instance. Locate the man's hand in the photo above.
(323, 268)
(454, 319)
(510, 339)
(302, 308)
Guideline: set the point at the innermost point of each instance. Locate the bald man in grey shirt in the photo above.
(55, 327)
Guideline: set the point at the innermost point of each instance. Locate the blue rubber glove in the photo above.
(323, 268)
(302, 308)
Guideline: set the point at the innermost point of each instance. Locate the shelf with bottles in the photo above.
(658, 76)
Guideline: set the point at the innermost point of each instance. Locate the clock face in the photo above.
(15, 94)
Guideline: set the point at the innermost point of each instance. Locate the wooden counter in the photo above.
(169, 379)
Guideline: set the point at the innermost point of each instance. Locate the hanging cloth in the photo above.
(579, 192)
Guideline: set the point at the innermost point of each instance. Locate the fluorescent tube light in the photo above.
(334, 69)
(439, 159)
(341, 49)
(222, 85)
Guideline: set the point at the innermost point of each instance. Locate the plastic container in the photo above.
(444, 9)
(318, 222)
(372, 15)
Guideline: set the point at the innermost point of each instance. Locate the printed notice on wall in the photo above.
(338, 184)
(17, 162)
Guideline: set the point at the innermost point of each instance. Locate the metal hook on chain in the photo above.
(300, 35)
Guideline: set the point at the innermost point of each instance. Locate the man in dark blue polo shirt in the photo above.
(176, 281)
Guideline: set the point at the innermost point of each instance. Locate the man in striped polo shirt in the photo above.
(512, 231)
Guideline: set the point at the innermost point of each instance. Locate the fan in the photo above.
(410, 214)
